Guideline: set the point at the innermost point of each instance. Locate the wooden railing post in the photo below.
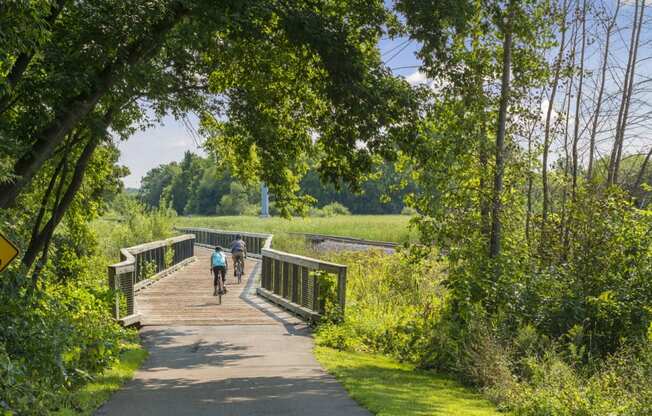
(341, 289)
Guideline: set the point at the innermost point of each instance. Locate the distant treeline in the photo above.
(196, 185)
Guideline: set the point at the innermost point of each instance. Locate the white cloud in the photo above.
(416, 78)
(544, 111)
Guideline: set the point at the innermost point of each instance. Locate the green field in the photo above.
(387, 387)
(394, 228)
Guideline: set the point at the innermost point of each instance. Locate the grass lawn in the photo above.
(387, 387)
(371, 227)
(91, 396)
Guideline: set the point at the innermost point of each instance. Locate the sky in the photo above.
(169, 141)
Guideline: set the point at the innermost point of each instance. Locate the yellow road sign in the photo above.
(8, 252)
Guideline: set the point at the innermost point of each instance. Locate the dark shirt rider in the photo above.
(238, 251)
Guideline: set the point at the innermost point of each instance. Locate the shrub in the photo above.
(408, 211)
(330, 210)
(51, 342)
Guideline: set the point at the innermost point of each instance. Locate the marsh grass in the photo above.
(394, 228)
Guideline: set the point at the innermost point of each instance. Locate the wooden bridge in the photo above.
(249, 355)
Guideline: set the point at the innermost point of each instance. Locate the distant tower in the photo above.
(264, 201)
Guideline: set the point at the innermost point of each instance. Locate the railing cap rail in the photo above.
(159, 243)
(302, 260)
(244, 233)
(128, 264)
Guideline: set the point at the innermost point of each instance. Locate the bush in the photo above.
(402, 306)
(51, 342)
(330, 210)
(408, 211)
(239, 201)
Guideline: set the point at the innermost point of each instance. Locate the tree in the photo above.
(155, 181)
(334, 40)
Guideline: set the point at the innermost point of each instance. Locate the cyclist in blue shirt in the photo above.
(219, 267)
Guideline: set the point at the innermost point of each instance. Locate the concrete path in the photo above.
(244, 357)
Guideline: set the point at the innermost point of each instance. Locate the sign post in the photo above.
(8, 252)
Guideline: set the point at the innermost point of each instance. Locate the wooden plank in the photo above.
(130, 320)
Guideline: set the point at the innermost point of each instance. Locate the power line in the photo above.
(395, 47)
(397, 53)
(405, 67)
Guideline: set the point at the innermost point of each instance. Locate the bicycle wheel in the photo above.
(239, 272)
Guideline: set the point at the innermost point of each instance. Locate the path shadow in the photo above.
(167, 350)
(318, 394)
(249, 293)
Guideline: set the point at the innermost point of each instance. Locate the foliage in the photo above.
(52, 342)
(199, 185)
(381, 193)
(330, 210)
(129, 223)
(86, 400)
(401, 306)
(57, 337)
(239, 201)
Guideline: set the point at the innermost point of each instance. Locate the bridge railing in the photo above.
(207, 237)
(290, 280)
(142, 265)
(286, 279)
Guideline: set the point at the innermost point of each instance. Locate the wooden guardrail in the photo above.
(207, 237)
(288, 280)
(142, 265)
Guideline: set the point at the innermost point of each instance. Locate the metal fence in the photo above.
(141, 264)
(286, 279)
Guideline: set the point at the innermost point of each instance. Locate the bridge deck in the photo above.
(244, 357)
(186, 298)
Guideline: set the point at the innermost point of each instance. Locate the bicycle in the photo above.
(220, 289)
(239, 269)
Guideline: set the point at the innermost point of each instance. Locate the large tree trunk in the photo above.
(630, 92)
(496, 208)
(578, 103)
(485, 207)
(567, 154)
(546, 138)
(614, 160)
(80, 106)
(603, 77)
(60, 173)
(38, 243)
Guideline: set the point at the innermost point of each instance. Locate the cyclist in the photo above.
(219, 267)
(238, 251)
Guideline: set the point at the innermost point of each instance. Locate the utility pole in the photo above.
(264, 201)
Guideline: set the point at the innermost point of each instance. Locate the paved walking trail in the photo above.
(243, 357)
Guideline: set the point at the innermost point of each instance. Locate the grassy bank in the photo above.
(372, 227)
(92, 395)
(387, 387)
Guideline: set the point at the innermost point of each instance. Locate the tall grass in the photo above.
(394, 228)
